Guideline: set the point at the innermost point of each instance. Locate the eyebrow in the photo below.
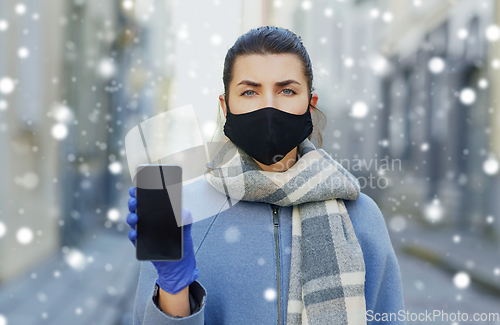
(279, 83)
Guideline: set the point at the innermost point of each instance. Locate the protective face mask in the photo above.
(268, 134)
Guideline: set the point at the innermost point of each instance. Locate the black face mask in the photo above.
(268, 134)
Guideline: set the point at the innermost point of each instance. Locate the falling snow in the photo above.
(387, 94)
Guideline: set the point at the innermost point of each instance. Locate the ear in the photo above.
(222, 101)
(314, 101)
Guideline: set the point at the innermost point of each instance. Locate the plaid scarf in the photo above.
(327, 271)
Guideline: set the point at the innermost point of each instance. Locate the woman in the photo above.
(302, 245)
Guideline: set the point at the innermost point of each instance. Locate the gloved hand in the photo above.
(173, 276)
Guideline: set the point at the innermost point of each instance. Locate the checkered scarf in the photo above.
(327, 272)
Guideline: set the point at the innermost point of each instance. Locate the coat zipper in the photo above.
(276, 221)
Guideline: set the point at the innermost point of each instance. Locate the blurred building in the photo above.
(406, 89)
(75, 76)
(104, 68)
(30, 173)
(441, 112)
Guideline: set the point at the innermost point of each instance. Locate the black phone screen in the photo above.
(158, 236)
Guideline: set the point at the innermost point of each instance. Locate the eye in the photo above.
(246, 91)
(291, 91)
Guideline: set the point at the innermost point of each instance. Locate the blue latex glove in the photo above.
(173, 276)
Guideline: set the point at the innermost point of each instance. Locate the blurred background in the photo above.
(409, 89)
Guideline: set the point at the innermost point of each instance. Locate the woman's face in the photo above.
(275, 80)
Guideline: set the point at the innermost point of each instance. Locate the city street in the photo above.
(428, 288)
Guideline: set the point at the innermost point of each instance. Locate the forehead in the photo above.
(268, 66)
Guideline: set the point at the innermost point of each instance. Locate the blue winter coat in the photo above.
(237, 258)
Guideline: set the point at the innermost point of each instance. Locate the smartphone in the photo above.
(159, 205)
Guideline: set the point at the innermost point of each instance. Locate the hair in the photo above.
(272, 40)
